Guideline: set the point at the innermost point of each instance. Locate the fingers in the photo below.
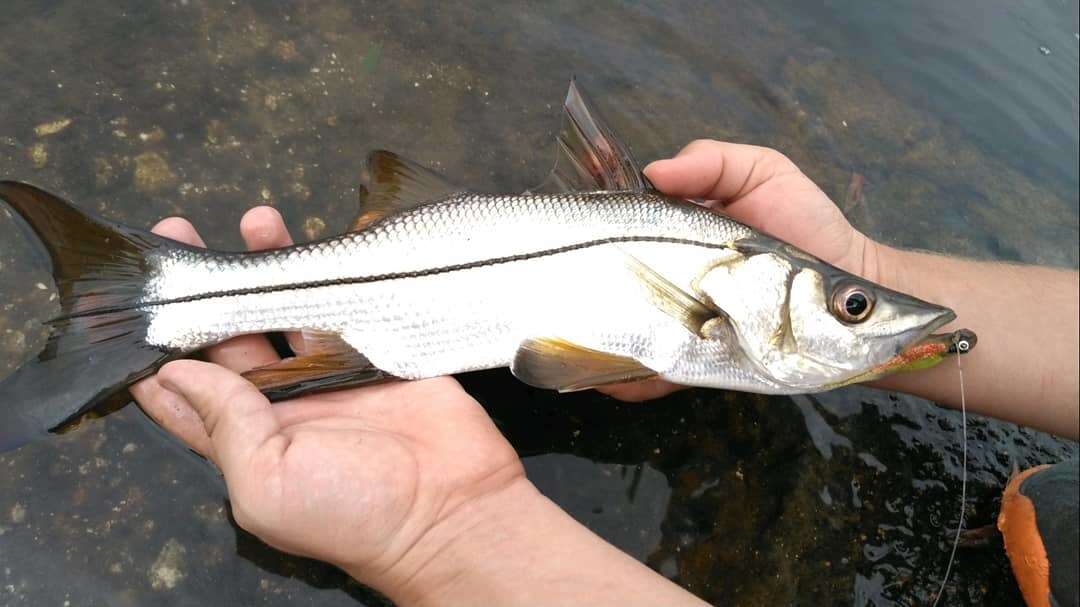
(179, 229)
(638, 391)
(263, 228)
(717, 170)
(169, 410)
(173, 413)
(386, 401)
(237, 417)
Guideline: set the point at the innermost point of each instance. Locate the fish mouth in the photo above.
(925, 352)
(920, 336)
(923, 349)
(956, 342)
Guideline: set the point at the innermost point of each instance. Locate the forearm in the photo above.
(1025, 367)
(519, 548)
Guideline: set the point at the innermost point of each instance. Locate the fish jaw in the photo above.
(926, 352)
(925, 318)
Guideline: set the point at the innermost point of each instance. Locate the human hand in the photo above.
(374, 480)
(765, 190)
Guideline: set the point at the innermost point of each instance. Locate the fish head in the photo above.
(805, 325)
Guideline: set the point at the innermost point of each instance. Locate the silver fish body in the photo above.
(460, 284)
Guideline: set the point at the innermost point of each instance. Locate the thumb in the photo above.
(717, 170)
(236, 415)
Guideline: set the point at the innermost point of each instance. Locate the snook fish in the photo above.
(594, 278)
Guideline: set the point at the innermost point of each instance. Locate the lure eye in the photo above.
(852, 304)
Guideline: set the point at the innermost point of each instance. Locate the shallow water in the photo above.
(961, 117)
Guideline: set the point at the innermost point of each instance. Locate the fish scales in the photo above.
(439, 321)
(459, 230)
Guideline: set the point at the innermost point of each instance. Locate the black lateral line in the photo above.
(353, 280)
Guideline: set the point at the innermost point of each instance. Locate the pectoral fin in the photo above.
(557, 364)
(680, 305)
(327, 362)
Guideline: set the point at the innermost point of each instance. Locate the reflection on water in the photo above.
(960, 130)
(1003, 72)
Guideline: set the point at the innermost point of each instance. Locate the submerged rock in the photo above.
(152, 173)
(314, 227)
(167, 571)
(18, 514)
(51, 128)
(39, 155)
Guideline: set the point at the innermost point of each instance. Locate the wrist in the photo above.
(886, 266)
(516, 547)
(469, 542)
(916, 273)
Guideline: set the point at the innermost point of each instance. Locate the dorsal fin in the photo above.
(588, 156)
(392, 184)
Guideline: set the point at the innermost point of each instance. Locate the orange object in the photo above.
(1023, 543)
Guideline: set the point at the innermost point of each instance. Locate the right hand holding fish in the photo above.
(1029, 342)
(764, 189)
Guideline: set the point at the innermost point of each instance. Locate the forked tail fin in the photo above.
(96, 345)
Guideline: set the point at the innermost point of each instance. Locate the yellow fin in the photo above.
(326, 343)
(557, 364)
(326, 362)
(392, 184)
(680, 305)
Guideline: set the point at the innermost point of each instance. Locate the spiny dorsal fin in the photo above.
(588, 156)
(557, 364)
(393, 184)
(680, 305)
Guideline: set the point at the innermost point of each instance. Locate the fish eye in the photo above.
(852, 303)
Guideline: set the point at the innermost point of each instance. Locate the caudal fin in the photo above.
(96, 345)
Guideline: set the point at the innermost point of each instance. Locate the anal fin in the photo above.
(327, 362)
(557, 364)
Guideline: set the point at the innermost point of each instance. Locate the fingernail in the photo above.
(177, 399)
(167, 382)
(168, 385)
